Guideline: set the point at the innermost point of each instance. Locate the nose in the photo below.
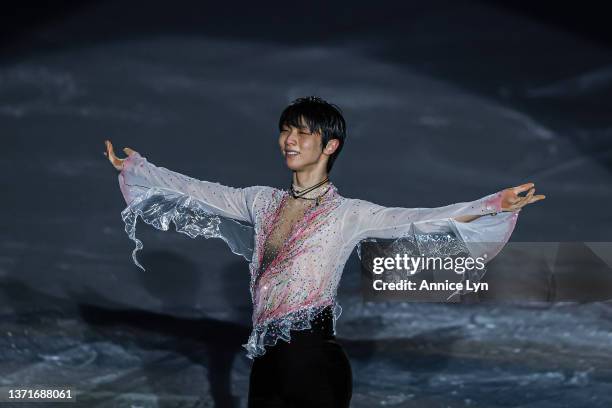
(292, 137)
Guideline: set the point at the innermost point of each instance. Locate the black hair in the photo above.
(321, 117)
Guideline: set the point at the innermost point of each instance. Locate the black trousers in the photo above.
(311, 371)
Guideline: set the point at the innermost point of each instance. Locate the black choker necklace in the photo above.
(299, 194)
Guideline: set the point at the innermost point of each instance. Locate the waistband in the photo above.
(322, 328)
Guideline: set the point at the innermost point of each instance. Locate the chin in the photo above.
(292, 165)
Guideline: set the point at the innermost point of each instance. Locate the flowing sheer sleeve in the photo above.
(486, 234)
(197, 207)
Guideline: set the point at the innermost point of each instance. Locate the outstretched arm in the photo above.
(369, 220)
(137, 175)
(197, 208)
(484, 236)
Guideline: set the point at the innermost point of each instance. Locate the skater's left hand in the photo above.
(512, 201)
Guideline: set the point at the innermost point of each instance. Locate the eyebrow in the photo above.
(299, 127)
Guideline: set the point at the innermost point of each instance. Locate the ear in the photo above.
(331, 146)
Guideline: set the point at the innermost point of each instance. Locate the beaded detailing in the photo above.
(267, 335)
(277, 288)
(285, 297)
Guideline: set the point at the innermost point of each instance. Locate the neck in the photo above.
(305, 179)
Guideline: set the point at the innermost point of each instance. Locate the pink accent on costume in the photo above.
(495, 202)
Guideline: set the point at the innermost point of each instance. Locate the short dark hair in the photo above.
(321, 117)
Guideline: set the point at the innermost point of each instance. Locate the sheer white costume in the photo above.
(300, 275)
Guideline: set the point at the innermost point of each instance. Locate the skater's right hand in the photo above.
(110, 154)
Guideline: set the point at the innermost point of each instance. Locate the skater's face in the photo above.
(301, 148)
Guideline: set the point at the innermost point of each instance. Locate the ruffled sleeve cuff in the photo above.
(487, 236)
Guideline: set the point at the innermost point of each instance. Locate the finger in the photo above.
(115, 161)
(528, 197)
(537, 198)
(128, 151)
(531, 199)
(523, 201)
(522, 187)
(109, 149)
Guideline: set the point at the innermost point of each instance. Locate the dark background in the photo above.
(446, 101)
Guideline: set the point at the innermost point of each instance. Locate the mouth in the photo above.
(291, 153)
